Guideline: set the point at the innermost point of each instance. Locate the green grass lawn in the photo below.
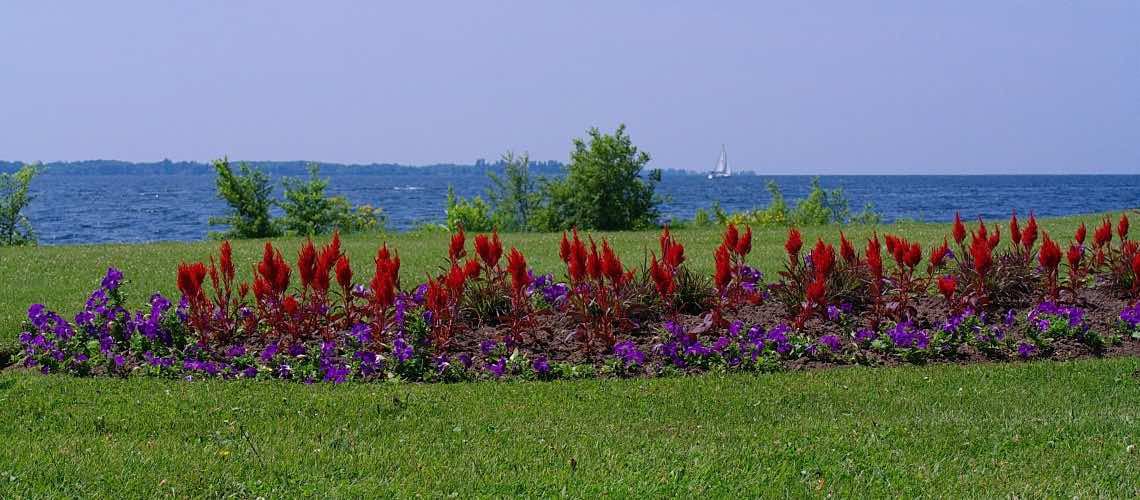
(1024, 429)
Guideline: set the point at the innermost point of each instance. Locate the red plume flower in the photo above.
(490, 249)
(938, 254)
(744, 243)
(823, 258)
(471, 268)
(816, 290)
(662, 278)
(458, 243)
(1080, 234)
(1074, 255)
(875, 258)
(959, 231)
(846, 250)
(793, 245)
(1014, 229)
(1050, 255)
(1029, 234)
(731, 237)
(1103, 233)
(611, 264)
(723, 268)
(516, 265)
(564, 248)
(227, 259)
(981, 252)
(995, 238)
(913, 255)
(947, 285)
(1122, 227)
(290, 305)
(190, 278)
(576, 259)
(307, 263)
(344, 272)
(594, 262)
(456, 279)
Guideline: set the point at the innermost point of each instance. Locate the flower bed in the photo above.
(489, 316)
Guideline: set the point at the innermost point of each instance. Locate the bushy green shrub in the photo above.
(15, 228)
(309, 211)
(603, 188)
(249, 196)
(820, 207)
(514, 195)
(471, 215)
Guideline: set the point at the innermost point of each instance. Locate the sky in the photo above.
(846, 87)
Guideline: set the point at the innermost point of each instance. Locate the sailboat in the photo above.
(721, 169)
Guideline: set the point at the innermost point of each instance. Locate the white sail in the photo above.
(722, 169)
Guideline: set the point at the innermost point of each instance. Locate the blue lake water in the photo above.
(93, 208)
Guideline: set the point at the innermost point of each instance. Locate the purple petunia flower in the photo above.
(1026, 350)
(833, 313)
(541, 365)
(269, 351)
(112, 279)
(402, 349)
(497, 368)
(831, 342)
(361, 332)
(1131, 315)
(629, 353)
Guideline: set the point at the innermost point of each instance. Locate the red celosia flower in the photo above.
(490, 249)
(675, 256)
(981, 252)
(436, 297)
(471, 268)
(516, 265)
(564, 248)
(723, 268)
(274, 270)
(190, 278)
(982, 232)
(662, 278)
(1029, 234)
(1050, 255)
(959, 231)
(1080, 234)
(744, 243)
(731, 236)
(1122, 227)
(307, 263)
(458, 246)
(576, 259)
(938, 254)
(816, 290)
(823, 258)
(386, 278)
(1103, 233)
(456, 279)
(874, 258)
(793, 245)
(892, 242)
(947, 285)
(846, 250)
(996, 237)
(227, 259)
(1014, 229)
(344, 272)
(290, 305)
(1099, 258)
(913, 255)
(1074, 255)
(611, 264)
(594, 262)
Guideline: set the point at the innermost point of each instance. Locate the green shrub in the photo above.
(15, 228)
(471, 215)
(249, 196)
(309, 211)
(820, 207)
(514, 195)
(603, 188)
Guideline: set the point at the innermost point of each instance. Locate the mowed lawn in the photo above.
(1024, 429)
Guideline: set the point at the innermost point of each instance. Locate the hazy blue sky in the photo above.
(803, 87)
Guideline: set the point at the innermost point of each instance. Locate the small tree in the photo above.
(471, 215)
(309, 211)
(603, 188)
(248, 194)
(514, 195)
(15, 228)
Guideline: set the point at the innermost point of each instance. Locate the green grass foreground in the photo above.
(1023, 429)
(1019, 429)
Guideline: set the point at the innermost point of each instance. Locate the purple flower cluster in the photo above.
(905, 336)
(1130, 316)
